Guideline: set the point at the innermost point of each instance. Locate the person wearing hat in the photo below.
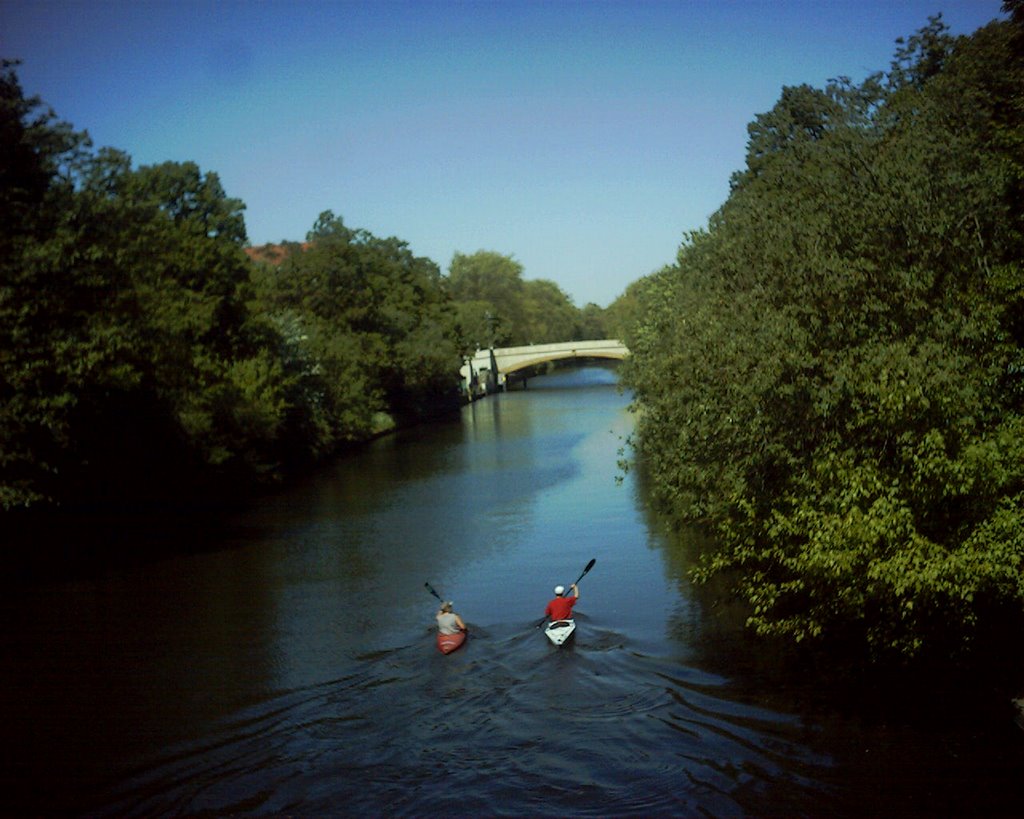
(448, 622)
(561, 607)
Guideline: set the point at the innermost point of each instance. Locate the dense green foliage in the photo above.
(831, 377)
(145, 354)
(496, 305)
(366, 334)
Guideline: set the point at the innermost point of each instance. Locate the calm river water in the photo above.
(288, 667)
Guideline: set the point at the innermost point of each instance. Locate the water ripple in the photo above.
(596, 731)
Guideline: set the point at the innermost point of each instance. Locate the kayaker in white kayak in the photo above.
(448, 622)
(561, 607)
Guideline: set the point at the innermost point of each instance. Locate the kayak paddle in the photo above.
(431, 590)
(590, 566)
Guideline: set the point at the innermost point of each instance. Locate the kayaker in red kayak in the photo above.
(561, 607)
(448, 622)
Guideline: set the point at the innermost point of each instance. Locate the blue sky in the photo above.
(582, 138)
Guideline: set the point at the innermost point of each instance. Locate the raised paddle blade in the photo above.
(431, 590)
(590, 566)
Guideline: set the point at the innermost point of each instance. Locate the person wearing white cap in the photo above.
(561, 607)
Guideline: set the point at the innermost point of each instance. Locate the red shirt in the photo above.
(561, 608)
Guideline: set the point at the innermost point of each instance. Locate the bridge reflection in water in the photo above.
(488, 370)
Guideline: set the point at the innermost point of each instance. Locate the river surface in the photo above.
(288, 667)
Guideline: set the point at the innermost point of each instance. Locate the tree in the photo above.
(371, 333)
(130, 363)
(830, 376)
(549, 314)
(622, 314)
(495, 305)
(594, 322)
(493, 285)
(39, 321)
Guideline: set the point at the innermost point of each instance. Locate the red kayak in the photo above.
(447, 643)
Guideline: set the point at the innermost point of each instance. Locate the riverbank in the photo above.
(256, 677)
(178, 514)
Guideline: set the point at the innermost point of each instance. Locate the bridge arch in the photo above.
(487, 369)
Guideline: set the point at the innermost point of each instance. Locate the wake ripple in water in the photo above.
(506, 725)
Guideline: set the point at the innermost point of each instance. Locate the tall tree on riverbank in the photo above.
(489, 291)
(126, 363)
(370, 336)
(37, 159)
(832, 375)
(143, 356)
(496, 305)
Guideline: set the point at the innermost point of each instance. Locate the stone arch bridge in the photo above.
(488, 370)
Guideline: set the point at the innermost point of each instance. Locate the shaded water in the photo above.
(292, 669)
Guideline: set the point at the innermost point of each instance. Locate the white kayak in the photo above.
(558, 631)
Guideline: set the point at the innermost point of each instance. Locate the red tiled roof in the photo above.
(274, 254)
